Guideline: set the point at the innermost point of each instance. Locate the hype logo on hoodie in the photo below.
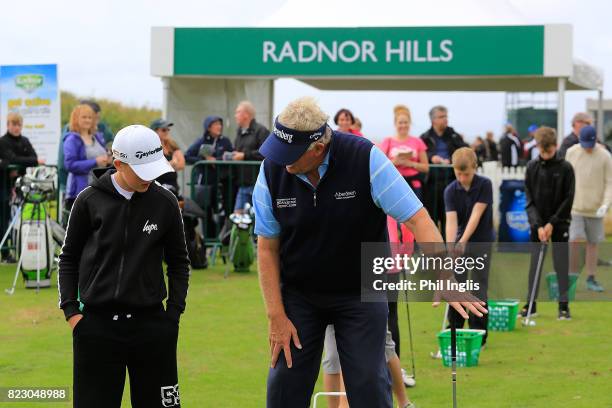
(148, 228)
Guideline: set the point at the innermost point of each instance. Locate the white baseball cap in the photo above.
(141, 148)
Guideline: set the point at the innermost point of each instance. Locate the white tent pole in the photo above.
(165, 87)
(560, 110)
(271, 104)
(600, 115)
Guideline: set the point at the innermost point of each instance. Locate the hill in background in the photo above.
(115, 114)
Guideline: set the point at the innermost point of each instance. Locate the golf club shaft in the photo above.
(11, 225)
(400, 236)
(536, 280)
(454, 363)
(409, 327)
(444, 319)
(12, 289)
(38, 247)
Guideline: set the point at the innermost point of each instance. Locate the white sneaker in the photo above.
(409, 380)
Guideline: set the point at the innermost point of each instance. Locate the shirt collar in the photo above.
(475, 182)
(322, 169)
(249, 128)
(325, 160)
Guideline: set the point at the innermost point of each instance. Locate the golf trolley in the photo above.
(240, 250)
(31, 228)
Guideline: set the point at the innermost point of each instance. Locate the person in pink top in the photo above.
(408, 153)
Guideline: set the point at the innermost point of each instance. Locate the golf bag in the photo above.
(237, 240)
(196, 248)
(191, 211)
(35, 245)
(35, 241)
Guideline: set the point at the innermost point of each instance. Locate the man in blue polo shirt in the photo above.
(318, 196)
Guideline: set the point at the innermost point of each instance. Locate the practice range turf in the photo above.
(223, 350)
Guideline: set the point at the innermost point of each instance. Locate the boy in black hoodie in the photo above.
(549, 191)
(121, 228)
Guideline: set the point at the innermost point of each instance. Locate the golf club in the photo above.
(454, 363)
(411, 380)
(527, 321)
(437, 354)
(413, 374)
(12, 289)
(11, 225)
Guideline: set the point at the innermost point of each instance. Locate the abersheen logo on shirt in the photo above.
(148, 228)
(286, 202)
(345, 195)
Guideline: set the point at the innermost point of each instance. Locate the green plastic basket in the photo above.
(553, 285)
(502, 314)
(469, 342)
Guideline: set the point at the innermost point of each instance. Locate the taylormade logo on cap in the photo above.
(283, 135)
(137, 144)
(139, 154)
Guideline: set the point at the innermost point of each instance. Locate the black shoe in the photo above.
(602, 262)
(525, 310)
(10, 259)
(564, 312)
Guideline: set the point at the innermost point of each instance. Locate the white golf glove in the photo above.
(601, 211)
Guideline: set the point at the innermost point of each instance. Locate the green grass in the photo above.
(223, 352)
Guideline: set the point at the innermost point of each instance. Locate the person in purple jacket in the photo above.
(83, 150)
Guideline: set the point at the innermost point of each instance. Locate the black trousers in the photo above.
(434, 199)
(360, 336)
(393, 319)
(106, 343)
(560, 251)
(482, 278)
(394, 326)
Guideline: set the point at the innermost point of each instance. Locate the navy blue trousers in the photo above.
(360, 336)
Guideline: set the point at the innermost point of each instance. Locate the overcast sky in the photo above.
(103, 48)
